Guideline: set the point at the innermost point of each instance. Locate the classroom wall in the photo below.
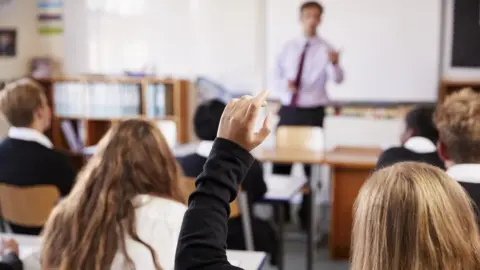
(21, 15)
(233, 52)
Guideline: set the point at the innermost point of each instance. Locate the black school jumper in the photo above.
(399, 154)
(11, 262)
(28, 163)
(264, 235)
(203, 238)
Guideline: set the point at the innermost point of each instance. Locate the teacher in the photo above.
(302, 70)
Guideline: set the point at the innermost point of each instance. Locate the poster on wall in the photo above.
(8, 42)
(50, 17)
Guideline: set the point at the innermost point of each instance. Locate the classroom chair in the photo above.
(27, 206)
(300, 137)
(239, 207)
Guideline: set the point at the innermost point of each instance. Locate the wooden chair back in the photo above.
(27, 206)
(300, 137)
(189, 187)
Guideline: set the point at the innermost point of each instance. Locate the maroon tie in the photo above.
(298, 79)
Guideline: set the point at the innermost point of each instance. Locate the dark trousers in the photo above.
(292, 116)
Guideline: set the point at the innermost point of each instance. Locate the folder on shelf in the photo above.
(73, 140)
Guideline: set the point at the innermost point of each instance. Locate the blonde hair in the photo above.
(412, 216)
(89, 227)
(458, 122)
(20, 99)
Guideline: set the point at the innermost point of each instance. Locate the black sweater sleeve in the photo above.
(11, 262)
(203, 237)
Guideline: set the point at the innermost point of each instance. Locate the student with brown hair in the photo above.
(126, 208)
(27, 157)
(412, 216)
(458, 123)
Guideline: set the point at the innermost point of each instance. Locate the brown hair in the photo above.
(86, 229)
(458, 122)
(412, 216)
(311, 4)
(20, 99)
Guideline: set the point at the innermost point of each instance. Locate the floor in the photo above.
(295, 258)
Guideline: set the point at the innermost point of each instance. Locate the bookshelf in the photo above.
(88, 105)
(449, 85)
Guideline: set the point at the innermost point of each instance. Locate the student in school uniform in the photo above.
(126, 208)
(418, 140)
(203, 239)
(412, 216)
(458, 123)
(27, 157)
(206, 121)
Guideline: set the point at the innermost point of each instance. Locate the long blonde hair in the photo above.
(412, 216)
(86, 229)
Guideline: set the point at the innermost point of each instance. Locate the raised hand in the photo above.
(238, 120)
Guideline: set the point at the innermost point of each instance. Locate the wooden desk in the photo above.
(288, 155)
(350, 167)
(30, 245)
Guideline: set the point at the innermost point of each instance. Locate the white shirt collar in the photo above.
(204, 148)
(28, 134)
(468, 173)
(420, 145)
(311, 40)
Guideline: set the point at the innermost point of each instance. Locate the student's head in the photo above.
(310, 16)
(89, 226)
(207, 118)
(458, 123)
(419, 122)
(24, 104)
(412, 216)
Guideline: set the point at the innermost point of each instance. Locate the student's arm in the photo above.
(254, 184)
(11, 262)
(203, 237)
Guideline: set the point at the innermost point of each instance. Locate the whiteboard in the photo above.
(390, 48)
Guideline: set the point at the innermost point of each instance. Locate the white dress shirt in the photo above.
(420, 145)
(29, 134)
(158, 224)
(466, 173)
(317, 70)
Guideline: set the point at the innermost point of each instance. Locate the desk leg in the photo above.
(346, 183)
(312, 183)
(281, 233)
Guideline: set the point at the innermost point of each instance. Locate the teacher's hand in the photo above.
(238, 120)
(333, 57)
(292, 87)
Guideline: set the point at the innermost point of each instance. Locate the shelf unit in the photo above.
(449, 85)
(94, 124)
